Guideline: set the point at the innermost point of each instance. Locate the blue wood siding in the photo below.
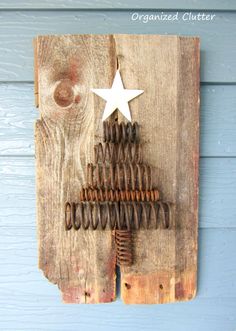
(18, 28)
(27, 300)
(122, 4)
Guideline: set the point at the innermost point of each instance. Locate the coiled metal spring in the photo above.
(118, 215)
(89, 194)
(123, 240)
(120, 176)
(119, 194)
(120, 132)
(114, 153)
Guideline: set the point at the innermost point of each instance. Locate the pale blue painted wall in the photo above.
(27, 300)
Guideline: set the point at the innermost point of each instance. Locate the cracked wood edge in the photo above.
(81, 263)
(36, 87)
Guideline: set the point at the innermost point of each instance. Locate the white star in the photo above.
(117, 97)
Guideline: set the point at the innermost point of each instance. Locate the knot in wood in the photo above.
(64, 93)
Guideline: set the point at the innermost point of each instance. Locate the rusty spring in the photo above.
(119, 194)
(123, 239)
(120, 176)
(115, 153)
(89, 194)
(120, 132)
(121, 146)
(117, 215)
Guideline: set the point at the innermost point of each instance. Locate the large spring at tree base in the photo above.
(112, 215)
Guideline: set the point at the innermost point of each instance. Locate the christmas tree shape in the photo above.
(119, 195)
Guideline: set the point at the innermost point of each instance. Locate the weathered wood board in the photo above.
(82, 263)
(167, 69)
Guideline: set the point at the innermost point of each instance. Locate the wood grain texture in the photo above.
(165, 260)
(218, 120)
(112, 4)
(218, 37)
(81, 263)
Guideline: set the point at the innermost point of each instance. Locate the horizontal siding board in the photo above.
(217, 192)
(18, 28)
(113, 4)
(35, 313)
(218, 120)
(17, 117)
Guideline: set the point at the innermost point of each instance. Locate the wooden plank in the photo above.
(165, 261)
(17, 29)
(112, 4)
(81, 263)
(218, 134)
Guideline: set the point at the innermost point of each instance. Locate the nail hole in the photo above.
(161, 286)
(128, 286)
(87, 294)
